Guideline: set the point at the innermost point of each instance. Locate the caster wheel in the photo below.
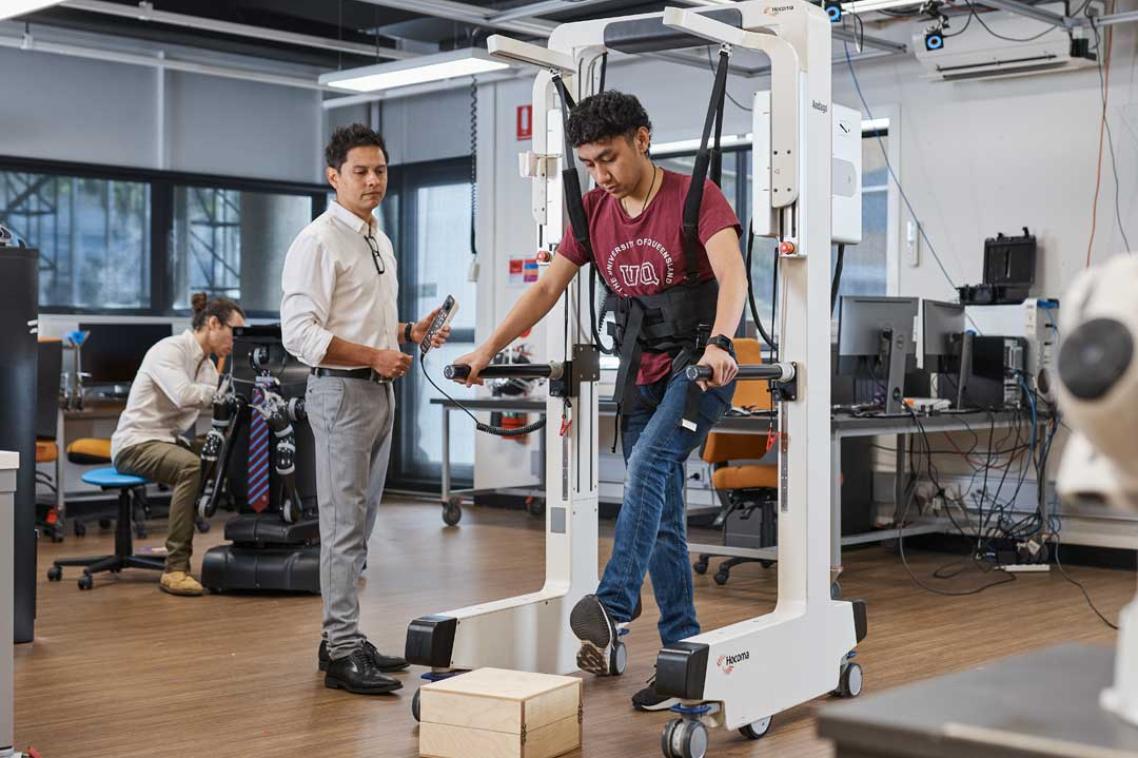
(80, 529)
(721, 577)
(105, 523)
(452, 511)
(835, 591)
(54, 574)
(140, 532)
(766, 564)
(700, 566)
(891, 546)
(203, 526)
(683, 738)
(86, 582)
(618, 659)
(535, 506)
(850, 682)
(756, 729)
(415, 706)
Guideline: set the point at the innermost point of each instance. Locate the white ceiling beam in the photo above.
(146, 12)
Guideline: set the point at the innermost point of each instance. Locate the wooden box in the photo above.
(495, 713)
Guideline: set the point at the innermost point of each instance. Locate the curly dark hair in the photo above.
(347, 137)
(607, 115)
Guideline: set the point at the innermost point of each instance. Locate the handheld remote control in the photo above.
(442, 318)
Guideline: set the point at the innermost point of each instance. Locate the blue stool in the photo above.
(108, 479)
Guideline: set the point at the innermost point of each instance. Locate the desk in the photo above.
(94, 410)
(845, 426)
(1039, 705)
(9, 464)
(518, 405)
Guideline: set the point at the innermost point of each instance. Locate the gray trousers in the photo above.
(351, 422)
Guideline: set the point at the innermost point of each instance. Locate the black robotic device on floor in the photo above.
(278, 548)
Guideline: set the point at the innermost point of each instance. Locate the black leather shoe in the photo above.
(387, 663)
(358, 673)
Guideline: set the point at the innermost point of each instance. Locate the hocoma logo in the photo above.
(727, 663)
(774, 10)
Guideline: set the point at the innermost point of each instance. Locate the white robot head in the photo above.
(1098, 385)
(1098, 394)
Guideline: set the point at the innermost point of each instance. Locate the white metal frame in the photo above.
(797, 652)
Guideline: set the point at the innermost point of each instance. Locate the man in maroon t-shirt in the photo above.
(635, 230)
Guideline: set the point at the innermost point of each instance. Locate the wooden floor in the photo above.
(125, 670)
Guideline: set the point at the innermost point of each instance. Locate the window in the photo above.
(427, 213)
(232, 243)
(865, 269)
(136, 241)
(93, 236)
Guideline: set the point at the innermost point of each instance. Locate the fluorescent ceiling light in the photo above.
(419, 70)
(12, 8)
(872, 6)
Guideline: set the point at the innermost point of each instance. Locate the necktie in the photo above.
(258, 456)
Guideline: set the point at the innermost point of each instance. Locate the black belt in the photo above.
(352, 373)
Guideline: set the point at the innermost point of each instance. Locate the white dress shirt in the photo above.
(174, 383)
(331, 288)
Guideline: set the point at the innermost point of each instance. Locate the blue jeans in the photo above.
(651, 529)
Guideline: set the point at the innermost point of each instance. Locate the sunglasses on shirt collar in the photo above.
(376, 258)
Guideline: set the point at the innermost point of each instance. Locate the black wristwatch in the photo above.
(407, 332)
(721, 342)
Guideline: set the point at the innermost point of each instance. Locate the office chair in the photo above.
(746, 490)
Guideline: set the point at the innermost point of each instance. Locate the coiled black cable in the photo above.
(473, 164)
(497, 431)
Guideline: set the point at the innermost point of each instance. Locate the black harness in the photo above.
(678, 321)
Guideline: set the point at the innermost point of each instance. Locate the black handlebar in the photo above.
(755, 371)
(461, 371)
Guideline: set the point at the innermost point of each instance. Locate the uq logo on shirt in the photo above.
(634, 276)
(639, 264)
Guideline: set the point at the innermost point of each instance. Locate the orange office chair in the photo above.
(746, 490)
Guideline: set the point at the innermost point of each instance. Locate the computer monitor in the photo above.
(947, 349)
(113, 352)
(875, 335)
(943, 325)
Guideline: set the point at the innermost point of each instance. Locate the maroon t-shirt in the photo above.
(645, 255)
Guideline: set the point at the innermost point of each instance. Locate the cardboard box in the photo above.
(495, 713)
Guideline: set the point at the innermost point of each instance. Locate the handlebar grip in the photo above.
(695, 373)
(456, 371)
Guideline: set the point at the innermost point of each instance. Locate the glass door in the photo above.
(427, 215)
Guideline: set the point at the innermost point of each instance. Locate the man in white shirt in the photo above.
(338, 315)
(176, 381)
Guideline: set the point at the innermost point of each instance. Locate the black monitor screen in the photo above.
(113, 352)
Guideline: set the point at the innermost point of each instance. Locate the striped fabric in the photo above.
(258, 457)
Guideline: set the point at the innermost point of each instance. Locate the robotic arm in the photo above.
(227, 405)
(280, 413)
(1098, 394)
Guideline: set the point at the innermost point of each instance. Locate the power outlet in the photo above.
(913, 243)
